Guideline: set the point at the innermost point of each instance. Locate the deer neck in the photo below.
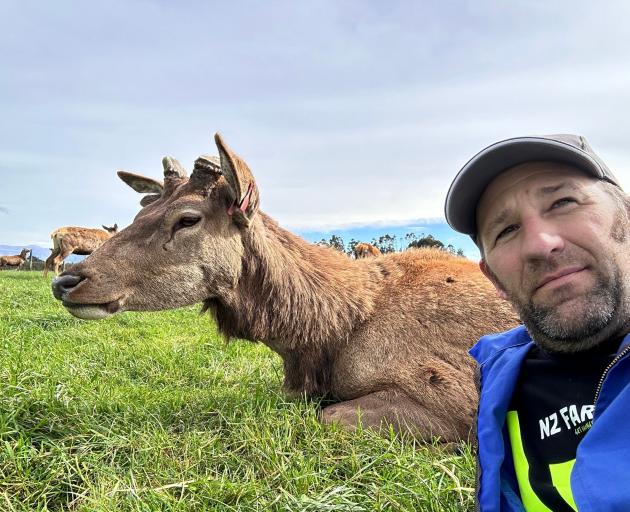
(293, 295)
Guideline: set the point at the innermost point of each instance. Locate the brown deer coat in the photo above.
(75, 240)
(386, 337)
(15, 261)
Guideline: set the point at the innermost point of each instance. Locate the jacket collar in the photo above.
(492, 344)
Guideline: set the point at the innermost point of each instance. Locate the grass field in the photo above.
(153, 411)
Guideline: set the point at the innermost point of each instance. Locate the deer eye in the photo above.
(187, 221)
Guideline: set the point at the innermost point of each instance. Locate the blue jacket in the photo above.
(600, 480)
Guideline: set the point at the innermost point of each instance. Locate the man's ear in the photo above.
(493, 279)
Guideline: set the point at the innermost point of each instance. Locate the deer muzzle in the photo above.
(65, 284)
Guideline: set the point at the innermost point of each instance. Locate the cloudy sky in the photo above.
(349, 113)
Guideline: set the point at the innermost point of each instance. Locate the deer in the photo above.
(75, 240)
(384, 340)
(365, 250)
(16, 261)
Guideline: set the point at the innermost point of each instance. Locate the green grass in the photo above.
(153, 411)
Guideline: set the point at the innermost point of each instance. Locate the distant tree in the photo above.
(431, 241)
(426, 241)
(351, 245)
(335, 241)
(410, 237)
(385, 243)
(390, 243)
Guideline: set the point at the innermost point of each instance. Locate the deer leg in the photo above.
(65, 252)
(49, 261)
(381, 409)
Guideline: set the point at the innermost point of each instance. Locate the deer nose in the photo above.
(63, 284)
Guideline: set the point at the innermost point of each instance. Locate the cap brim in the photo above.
(471, 182)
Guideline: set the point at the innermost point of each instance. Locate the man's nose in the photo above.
(541, 239)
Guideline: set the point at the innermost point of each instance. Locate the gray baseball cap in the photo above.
(471, 181)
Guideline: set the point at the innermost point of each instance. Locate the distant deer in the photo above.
(365, 250)
(15, 261)
(385, 337)
(75, 240)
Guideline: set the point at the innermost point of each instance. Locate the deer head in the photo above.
(184, 246)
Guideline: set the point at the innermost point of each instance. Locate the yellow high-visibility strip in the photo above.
(561, 479)
(530, 499)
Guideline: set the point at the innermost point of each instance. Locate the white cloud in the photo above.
(350, 114)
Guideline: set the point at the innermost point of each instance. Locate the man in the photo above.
(552, 225)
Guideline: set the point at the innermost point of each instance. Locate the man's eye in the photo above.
(506, 231)
(562, 202)
(186, 222)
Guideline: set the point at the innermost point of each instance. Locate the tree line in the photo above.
(391, 243)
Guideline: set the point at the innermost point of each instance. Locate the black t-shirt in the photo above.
(553, 402)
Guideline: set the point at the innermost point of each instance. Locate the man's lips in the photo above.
(559, 277)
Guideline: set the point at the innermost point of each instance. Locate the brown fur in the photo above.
(386, 337)
(14, 261)
(365, 250)
(75, 240)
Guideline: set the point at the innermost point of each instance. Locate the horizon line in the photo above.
(308, 227)
(331, 226)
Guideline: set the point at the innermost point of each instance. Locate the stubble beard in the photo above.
(593, 318)
(602, 313)
(582, 324)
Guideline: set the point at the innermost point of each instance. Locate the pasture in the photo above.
(154, 411)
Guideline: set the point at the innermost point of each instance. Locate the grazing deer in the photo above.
(365, 250)
(74, 240)
(16, 261)
(385, 337)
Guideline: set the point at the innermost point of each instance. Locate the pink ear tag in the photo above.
(244, 203)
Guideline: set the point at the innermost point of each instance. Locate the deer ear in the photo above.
(141, 184)
(150, 198)
(241, 183)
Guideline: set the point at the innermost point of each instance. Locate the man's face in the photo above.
(555, 245)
